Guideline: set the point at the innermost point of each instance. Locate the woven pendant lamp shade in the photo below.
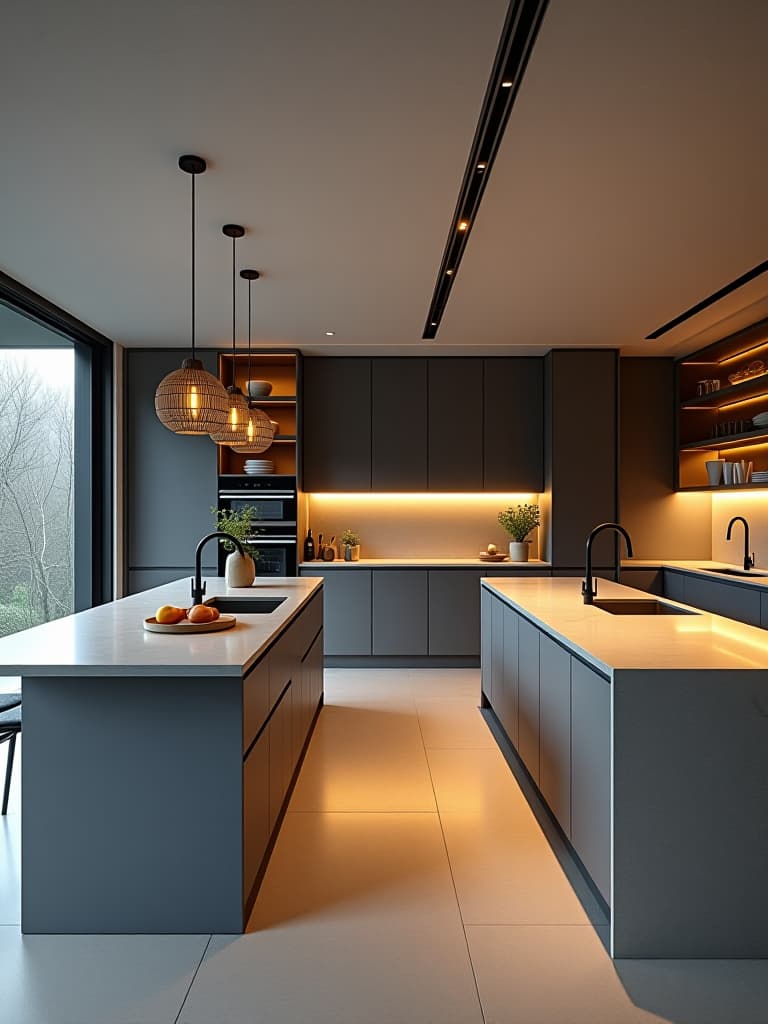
(234, 429)
(259, 432)
(191, 400)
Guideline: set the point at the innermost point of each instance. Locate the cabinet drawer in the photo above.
(256, 703)
(256, 828)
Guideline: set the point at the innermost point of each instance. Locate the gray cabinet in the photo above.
(487, 601)
(256, 701)
(741, 603)
(513, 424)
(455, 424)
(256, 819)
(454, 612)
(399, 424)
(674, 585)
(528, 696)
(164, 470)
(347, 610)
(591, 773)
(280, 755)
(649, 580)
(764, 611)
(497, 652)
(555, 729)
(336, 425)
(506, 697)
(400, 615)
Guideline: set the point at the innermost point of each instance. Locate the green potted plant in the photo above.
(519, 522)
(350, 541)
(239, 570)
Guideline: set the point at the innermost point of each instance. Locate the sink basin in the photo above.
(246, 605)
(737, 572)
(639, 606)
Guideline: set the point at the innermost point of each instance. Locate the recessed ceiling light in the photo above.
(434, 323)
(463, 225)
(506, 85)
(482, 166)
(449, 272)
(330, 334)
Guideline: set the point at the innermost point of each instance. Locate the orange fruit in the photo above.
(169, 614)
(201, 613)
(216, 612)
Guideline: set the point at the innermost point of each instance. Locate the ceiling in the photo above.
(630, 183)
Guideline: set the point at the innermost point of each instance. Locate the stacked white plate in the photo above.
(761, 420)
(259, 467)
(760, 477)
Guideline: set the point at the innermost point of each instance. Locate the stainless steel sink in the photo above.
(246, 605)
(639, 606)
(737, 572)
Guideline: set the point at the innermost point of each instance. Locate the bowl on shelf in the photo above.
(258, 388)
(760, 420)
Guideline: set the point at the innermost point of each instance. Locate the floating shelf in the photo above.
(755, 387)
(726, 487)
(275, 400)
(727, 441)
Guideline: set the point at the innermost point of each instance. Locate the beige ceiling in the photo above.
(630, 183)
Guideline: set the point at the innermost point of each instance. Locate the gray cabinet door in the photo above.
(346, 610)
(455, 424)
(399, 425)
(528, 696)
(555, 729)
(486, 642)
(649, 580)
(764, 611)
(497, 652)
(674, 585)
(591, 773)
(336, 425)
(280, 755)
(171, 480)
(741, 603)
(454, 612)
(505, 704)
(513, 424)
(400, 617)
(256, 821)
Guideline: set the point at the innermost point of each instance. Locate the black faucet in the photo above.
(588, 587)
(749, 560)
(198, 587)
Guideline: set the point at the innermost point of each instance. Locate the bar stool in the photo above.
(10, 727)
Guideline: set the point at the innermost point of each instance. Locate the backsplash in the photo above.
(416, 525)
(753, 505)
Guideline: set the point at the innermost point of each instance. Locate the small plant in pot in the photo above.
(239, 570)
(350, 541)
(519, 522)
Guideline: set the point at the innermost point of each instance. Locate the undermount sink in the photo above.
(737, 572)
(639, 606)
(246, 605)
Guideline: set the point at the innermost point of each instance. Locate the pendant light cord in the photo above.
(233, 309)
(193, 176)
(250, 282)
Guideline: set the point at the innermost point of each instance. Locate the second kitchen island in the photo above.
(647, 736)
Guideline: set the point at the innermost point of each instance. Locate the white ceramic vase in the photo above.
(239, 570)
(518, 550)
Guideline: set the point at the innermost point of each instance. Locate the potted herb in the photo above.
(239, 570)
(519, 522)
(350, 541)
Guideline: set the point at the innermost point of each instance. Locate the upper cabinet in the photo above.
(414, 424)
(722, 390)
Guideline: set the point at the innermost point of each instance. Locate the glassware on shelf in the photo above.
(755, 369)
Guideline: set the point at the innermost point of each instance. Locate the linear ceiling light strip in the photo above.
(721, 293)
(518, 36)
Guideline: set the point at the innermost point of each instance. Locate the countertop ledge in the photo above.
(110, 640)
(413, 563)
(702, 567)
(612, 643)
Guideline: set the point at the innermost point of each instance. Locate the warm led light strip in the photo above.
(423, 497)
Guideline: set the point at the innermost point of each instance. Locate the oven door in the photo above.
(275, 552)
(273, 507)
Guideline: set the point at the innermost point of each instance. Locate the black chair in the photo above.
(10, 727)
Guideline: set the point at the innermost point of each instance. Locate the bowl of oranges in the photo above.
(200, 618)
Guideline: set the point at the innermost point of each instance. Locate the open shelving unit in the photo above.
(282, 370)
(719, 424)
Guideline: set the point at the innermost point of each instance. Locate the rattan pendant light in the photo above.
(234, 429)
(259, 426)
(191, 400)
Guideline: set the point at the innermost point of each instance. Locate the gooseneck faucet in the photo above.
(198, 587)
(588, 587)
(749, 560)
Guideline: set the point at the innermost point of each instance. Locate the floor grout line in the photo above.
(453, 880)
(192, 982)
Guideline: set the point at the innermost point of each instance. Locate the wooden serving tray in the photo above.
(485, 557)
(223, 622)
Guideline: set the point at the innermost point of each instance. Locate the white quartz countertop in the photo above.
(757, 577)
(620, 642)
(408, 563)
(111, 640)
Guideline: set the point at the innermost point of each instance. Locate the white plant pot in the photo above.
(518, 550)
(239, 570)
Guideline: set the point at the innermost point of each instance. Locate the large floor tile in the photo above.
(475, 781)
(95, 979)
(548, 975)
(365, 759)
(356, 922)
(452, 722)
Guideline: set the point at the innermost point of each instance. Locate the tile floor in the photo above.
(411, 883)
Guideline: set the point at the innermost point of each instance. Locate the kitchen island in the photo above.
(156, 767)
(647, 737)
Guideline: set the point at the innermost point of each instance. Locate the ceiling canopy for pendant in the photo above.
(234, 430)
(191, 400)
(259, 427)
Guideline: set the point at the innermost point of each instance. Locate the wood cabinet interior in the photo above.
(281, 370)
(718, 424)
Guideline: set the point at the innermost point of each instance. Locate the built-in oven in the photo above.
(273, 500)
